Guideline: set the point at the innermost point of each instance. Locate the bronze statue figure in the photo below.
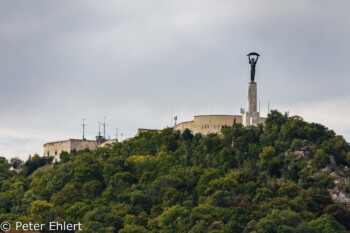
(252, 63)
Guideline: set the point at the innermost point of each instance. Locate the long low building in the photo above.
(206, 124)
(72, 145)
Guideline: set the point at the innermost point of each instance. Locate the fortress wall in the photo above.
(184, 125)
(206, 124)
(261, 120)
(77, 144)
(213, 123)
(56, 148)
(142, 130)
(108, 142)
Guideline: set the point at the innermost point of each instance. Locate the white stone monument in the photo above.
(251, 115)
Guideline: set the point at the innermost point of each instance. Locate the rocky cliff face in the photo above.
(340, 193)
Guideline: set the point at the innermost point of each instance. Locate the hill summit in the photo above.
(287, 175)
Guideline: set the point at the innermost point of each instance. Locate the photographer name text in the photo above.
(53, 226)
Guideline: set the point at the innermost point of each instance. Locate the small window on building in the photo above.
(55, 152)
(48, 153)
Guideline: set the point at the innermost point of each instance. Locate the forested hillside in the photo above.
(276, 177)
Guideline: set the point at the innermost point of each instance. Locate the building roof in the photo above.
(216, 115)
(71, 139)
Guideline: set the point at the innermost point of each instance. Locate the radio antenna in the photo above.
(104, 127)
(84, 128)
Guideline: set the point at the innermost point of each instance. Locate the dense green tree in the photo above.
(65, 156)
(34, 163)
(92, 189)
(69, 194)
(42, 211)
(339, 213)
(326, 224)
(321, 159)
(103, 216)
(175, 219)
(263, 195)
(133, 229)
(86, 172)
(16, 163)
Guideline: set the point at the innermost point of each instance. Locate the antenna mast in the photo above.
(175, 119)
(104, 128)
(84, 128)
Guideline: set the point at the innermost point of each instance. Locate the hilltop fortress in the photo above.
(73, 145)
(203, 124)
(206, 124)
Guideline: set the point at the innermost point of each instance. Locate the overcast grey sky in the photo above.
(135, 62)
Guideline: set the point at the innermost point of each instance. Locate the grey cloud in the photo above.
(135, 61)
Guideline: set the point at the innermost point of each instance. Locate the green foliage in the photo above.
(76, 212)
(326, 224)
(187, 135)
(64, 156)
(267, 178)
(175, 219)
(86, 172)
(92, 189)
(321, 159)
(69, 194)
(133, 229)
(263, 195)
(279, 221)
(42, 211)
(34, 163)
(4, 166)
(339, 213)
(16, 163)
(267, 155)
(289, 189)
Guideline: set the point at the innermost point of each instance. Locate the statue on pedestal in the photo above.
(252, 63)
